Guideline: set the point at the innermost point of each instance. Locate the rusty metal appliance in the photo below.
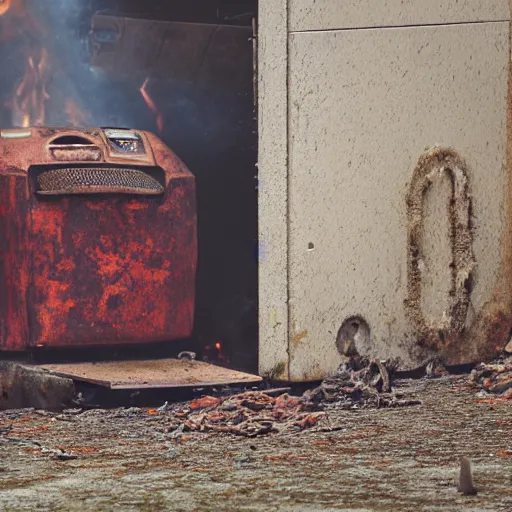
(99, 239)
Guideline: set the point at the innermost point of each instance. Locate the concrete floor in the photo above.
(380, 460)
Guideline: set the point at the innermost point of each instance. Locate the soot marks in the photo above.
(439, 160)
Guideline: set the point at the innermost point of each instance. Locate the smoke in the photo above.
(210, 125)
(191, 115)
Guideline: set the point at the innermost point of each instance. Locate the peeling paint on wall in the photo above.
(440, 333)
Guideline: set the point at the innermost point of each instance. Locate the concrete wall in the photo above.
(351, 95)
(335, 14)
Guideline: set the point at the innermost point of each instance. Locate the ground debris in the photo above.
(188, 356)
(5, 428)
(56, 453)
(494, 378)
(361, 383)
(435, 368)
(164, 408)
(63, 455)
(365, 459)
(249, 414)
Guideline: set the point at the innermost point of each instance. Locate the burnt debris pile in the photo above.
(249, 414)
(494, 379)
(359, 383)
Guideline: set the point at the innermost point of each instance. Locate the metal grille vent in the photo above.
(77, 180)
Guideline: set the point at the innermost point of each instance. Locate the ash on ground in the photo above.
(359, 383)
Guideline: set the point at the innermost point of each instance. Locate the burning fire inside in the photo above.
(31, 103)
(78, 64)
(151, 105)
(75, 114)
(5, 5)
(214, 353)
(30, 96)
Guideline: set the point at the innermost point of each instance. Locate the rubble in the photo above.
(164, 407)
(249, 414)
(359, 383)
(55, 453)
(368, 463)
(25, 386)
(494, 378)
(435, 368)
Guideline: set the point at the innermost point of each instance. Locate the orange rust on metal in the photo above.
(94, 269)
(158, 373)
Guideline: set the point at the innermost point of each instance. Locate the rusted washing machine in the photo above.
(98, 231)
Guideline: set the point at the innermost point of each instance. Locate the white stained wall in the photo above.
(351, 93)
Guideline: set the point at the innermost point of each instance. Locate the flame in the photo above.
(214, 353)
(151, 105)
(30, 97)
(17, 20)
(76, 115)
(5, 5)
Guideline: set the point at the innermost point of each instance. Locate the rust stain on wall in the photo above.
(440, 334)
(487, 335)
(492, 327)
(300, 336)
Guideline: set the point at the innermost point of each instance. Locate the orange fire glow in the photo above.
(76, 115)
(16, 20)
(218, 346)
(30, 97)
(5, 5)
(151, 105)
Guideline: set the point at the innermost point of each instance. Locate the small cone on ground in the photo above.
(466, 486)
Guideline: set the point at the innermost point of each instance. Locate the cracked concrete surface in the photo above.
(380, 460)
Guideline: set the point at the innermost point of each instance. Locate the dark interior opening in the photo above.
(71, 140)
(184, 70)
